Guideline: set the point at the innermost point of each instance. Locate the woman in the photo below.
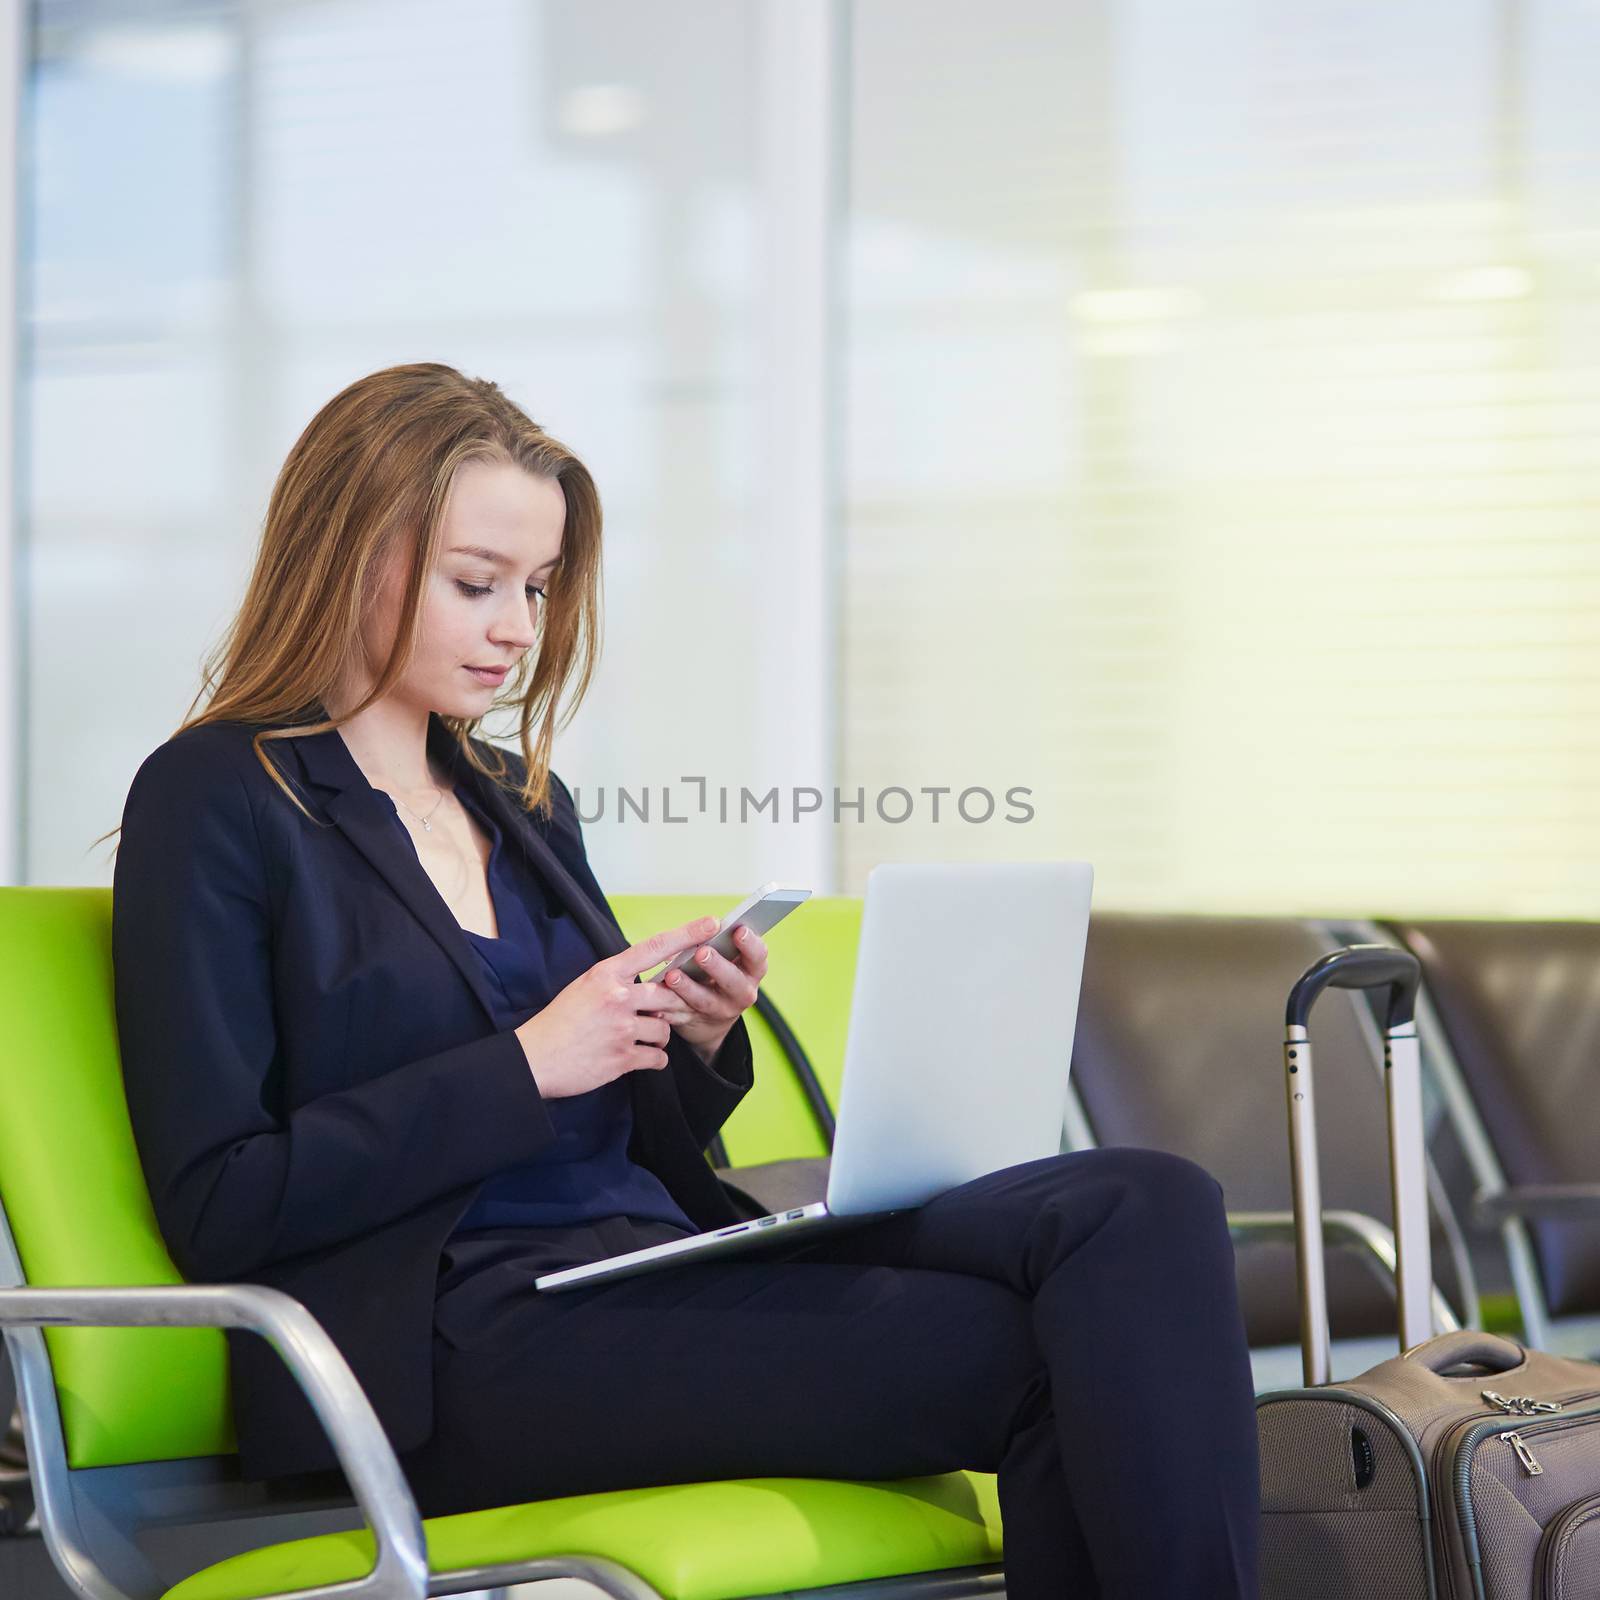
(387, 1049)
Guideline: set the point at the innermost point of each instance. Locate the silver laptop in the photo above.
(956, 1060)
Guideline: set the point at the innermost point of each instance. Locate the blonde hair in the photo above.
(370, 474)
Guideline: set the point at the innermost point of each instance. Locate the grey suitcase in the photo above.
(1465, 1468)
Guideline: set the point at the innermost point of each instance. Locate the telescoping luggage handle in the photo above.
(1361, 966)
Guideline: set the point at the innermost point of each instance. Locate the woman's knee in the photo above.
(1163, 1189)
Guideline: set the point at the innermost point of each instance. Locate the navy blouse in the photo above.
(585, 1173)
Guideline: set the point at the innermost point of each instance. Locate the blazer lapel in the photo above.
(363, 815)
(516, 824)
(651, 1094)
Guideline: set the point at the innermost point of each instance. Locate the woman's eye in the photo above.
(474, 590)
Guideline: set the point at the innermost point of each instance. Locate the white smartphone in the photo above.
(764, 909)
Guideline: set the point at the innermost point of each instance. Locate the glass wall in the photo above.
(238, 209)
(1214, 456)
(1224, 452)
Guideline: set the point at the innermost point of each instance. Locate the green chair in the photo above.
(121, 1371)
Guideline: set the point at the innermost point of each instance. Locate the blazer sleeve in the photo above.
(708, 1092)
(237, 1181)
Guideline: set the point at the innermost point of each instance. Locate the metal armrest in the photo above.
(400, 1571)
(1350, 1230)
(1567, 1202)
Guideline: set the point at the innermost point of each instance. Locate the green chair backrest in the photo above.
(75, 1196)
(811, 969)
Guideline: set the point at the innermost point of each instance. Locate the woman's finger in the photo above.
(752, 950)
(650, 995)
(698, 999)
(732, 982)
(659, 947)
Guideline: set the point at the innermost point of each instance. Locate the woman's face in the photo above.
(480, 604)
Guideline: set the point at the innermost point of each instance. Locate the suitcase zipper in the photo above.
(1520, 1405)
(1439, 1471)
(1544, 1561)
(1530, 1464)
(1472, 1434)
(1454, 1486)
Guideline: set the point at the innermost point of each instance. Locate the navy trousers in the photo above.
(1070, 1324)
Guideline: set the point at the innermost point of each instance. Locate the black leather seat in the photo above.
(1519, 1004)
(1179, 1046)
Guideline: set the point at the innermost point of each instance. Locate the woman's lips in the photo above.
(491, 675)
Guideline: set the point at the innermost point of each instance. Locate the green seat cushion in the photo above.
(811, 967)
(698, 1541)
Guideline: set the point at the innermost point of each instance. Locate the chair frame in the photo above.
(1498, 1202)
(88, 1515)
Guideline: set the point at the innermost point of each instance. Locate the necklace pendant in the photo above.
(427, 827)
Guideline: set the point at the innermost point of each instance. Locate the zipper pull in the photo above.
(1530, 1463)
(1519, 1405)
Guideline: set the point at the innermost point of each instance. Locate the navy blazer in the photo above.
(315, 1082)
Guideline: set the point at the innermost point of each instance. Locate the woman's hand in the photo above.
(703, 1013)
(603, 1023)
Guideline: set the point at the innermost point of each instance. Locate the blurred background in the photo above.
(1187, 411)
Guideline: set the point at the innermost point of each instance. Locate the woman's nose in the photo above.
(516, 625)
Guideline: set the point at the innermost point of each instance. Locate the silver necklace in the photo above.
(427, 827)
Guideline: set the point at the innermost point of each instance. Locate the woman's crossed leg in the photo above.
(919, 1343)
